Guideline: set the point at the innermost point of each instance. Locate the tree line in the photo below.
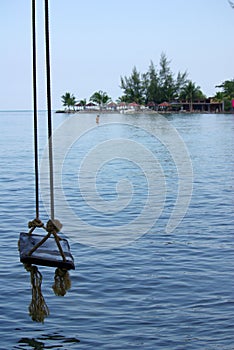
(100, 97)
(159, 85)
(156, 86)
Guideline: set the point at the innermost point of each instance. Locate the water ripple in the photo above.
(161, 291)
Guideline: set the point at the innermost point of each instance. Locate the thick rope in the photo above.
(34, 54)
(47, 41)
(35, 223)
(38, 309)
(52, 227)
(62, 282)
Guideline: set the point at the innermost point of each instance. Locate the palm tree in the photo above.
(68, 100)
(83, 102)
(219, 96)
(101, 98)
(190, 92)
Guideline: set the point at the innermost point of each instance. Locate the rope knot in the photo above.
(53, 226)
(35, 223)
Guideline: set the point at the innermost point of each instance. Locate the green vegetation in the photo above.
(190, 92)
(101, 98)
(159, 85)
(83, 102)
(133, 88)
(68, 100)
(227, 93)
(156, 86)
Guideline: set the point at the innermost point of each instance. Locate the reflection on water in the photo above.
(54, 341)
(33, 343)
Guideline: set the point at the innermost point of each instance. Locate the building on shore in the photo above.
(208, 105)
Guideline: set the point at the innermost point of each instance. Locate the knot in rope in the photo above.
(53, 226)
(35, 223)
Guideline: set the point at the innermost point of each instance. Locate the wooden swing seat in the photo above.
(47, 254)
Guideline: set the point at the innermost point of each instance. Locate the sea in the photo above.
(146, 203)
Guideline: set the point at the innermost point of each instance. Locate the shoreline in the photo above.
(92, 111)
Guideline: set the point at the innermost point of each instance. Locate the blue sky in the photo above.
(93, 43)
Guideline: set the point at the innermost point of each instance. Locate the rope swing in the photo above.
(46, 249)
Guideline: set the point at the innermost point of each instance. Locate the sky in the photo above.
(93, 43)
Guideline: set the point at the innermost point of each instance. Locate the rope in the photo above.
(47, 40)
(35, 107)
(50, 146)
(38, 309)
(62, 282)
(52, 227)
(33, 224)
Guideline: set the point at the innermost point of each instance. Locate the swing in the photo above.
(46, 249)
(50, 249)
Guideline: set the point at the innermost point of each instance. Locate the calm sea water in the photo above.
(158, 290)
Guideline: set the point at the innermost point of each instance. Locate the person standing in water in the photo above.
(97, 119)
